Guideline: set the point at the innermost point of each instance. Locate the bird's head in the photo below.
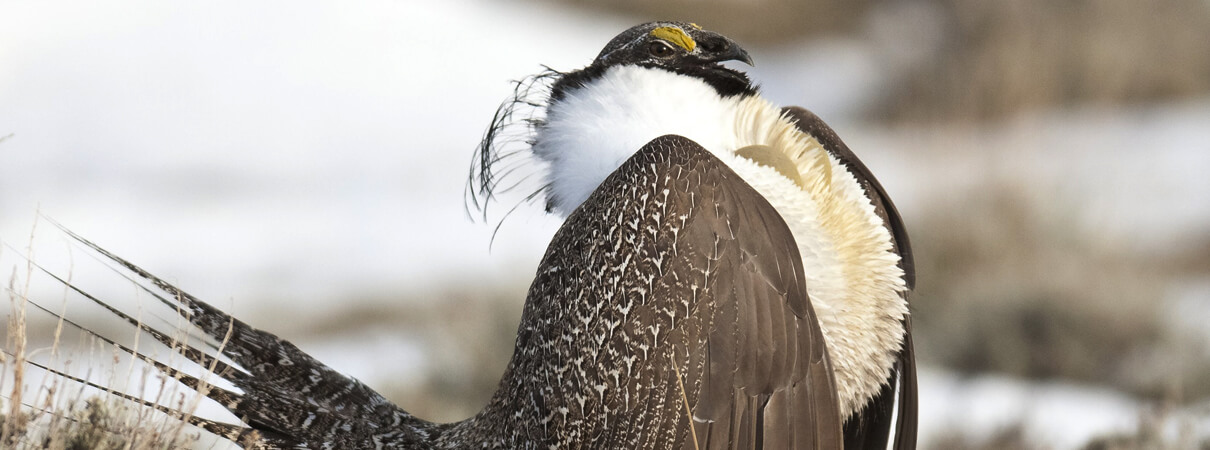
(679, 47)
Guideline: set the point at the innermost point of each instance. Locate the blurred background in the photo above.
(303, 165)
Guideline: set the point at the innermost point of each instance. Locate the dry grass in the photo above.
(1007, 288)
(94, 423)
(996, 58)
(1003, 288)
(680, 383)
(1149, 435)
(1009, 438)
(62, 413)
(981, 59)
(972, 311)
(751, 22)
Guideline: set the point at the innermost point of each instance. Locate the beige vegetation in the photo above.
(984, 59)
(754, 22)
(1016, 291)
(999, 58)
(1005, 286)
(1009, 284)
(100, 424)
(60, 414)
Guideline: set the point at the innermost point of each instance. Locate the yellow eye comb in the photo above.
(675, 36)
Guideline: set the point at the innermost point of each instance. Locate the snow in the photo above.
(285, 155)
(1127, 175)
(1060, 414)
(271, 151)
(283, 152)
(1188, 310)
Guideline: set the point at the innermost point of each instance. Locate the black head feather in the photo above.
(678, 47)
(505, 145)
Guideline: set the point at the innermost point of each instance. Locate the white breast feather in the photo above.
(852, 276)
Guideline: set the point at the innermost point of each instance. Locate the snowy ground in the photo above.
(284, 155)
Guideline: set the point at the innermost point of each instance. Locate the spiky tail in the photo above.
(287, 400)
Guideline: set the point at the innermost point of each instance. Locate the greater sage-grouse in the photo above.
(729, 276)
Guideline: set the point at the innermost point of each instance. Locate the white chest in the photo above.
(852, 276)
(593, 130)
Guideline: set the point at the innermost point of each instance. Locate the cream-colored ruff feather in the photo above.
(853, 277)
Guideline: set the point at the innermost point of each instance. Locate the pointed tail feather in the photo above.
(289, 399)
(225, 430)
(215, 393)
(192, 353)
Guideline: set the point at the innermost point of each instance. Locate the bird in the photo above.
(668, 78)
(727, 275)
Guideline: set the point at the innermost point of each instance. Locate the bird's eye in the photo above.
(659, 49)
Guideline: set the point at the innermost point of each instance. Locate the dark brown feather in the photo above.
(289, 398)
(869, 428)
(670, 312)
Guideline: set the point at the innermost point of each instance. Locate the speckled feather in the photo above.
(664, 273)
(670, 311)
(674, 262)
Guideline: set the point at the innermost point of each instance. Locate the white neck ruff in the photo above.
(853, 278)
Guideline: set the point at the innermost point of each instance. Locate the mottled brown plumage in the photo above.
(671, 310)
(674, 263)
(674, 268)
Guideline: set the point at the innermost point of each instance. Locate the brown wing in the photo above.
(767, 381)
(870, 427)
(691, 290)
(670, 312)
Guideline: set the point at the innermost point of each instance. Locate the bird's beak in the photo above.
(741, 55)
(730, 51)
